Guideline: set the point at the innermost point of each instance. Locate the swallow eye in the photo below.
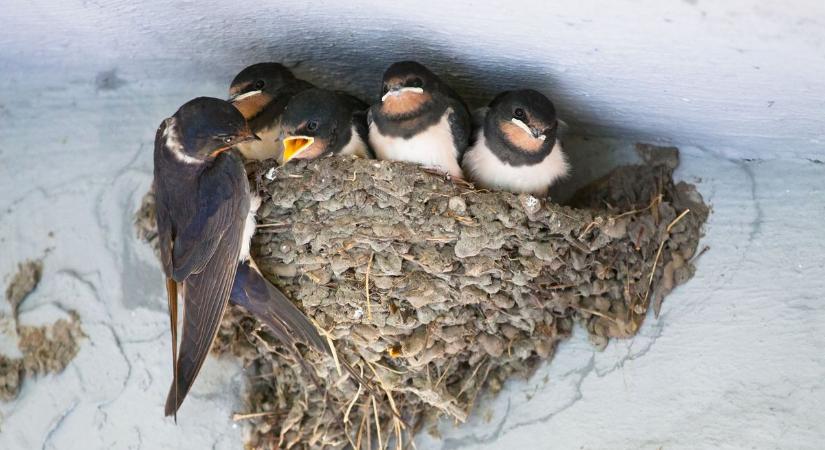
(416, 82)
(260, 85)
(518, 113)
(312, 125)
(228, 139)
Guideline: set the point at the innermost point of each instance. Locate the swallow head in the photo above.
(257, 85)
(525, 120)
(313, 124)
(407, 90)
(209, 126)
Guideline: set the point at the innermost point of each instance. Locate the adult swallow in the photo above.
(261, 92)
(206, 219)
(419, 119)
(517, 146)
(319, 122)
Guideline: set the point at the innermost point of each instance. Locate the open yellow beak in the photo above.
(294, 145)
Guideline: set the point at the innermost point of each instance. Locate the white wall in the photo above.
(739, 75)
(735, 360)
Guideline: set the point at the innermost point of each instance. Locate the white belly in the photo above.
(249, 227)
(267, 148)
(356, 146)
(433, 147)
(487, 171)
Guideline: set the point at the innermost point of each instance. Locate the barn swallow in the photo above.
(318, 122)
(206, 219)
(419, 119)
(202, 199)
(261, 92)
(517, 146)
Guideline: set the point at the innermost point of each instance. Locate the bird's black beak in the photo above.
(250, 137)
(534, 132)
(392, 90)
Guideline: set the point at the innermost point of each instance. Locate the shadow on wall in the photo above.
(323, 57)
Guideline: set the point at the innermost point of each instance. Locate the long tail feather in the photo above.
(172, 300)
(205, 296)
(268, 304)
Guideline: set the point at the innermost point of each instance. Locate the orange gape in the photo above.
(251, 106)
(519, 138)
(313, 151)
(404, 103)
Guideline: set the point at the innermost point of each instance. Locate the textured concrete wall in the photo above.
(736, 359)
(736, 74)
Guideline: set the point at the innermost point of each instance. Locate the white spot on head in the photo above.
(270, 174)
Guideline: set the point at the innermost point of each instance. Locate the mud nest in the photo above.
(45, 349)
(439, 293)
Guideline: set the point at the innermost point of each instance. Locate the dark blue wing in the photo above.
(208, 265)
(222, 201)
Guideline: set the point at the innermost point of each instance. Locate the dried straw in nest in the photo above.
(437, 292)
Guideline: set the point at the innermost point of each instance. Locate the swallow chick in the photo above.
(517, 146)
(419, 119)
(206, 219)
(261, 92)
(319, 122)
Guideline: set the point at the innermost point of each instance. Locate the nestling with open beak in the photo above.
(206, 218)
(319, 122)
(261, 92)
(419, 119)
(517, 146)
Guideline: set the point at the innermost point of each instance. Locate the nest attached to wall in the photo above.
(438, 292)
